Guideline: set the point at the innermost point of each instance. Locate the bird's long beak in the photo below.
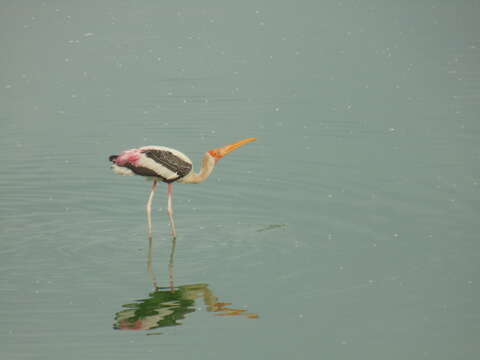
(221, 152)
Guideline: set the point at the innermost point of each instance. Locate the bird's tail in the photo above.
(112, 158)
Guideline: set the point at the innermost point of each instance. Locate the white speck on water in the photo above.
(67, 60)
(88, 34)
(300, 316)
(277, 109)
(391, 129)
(8, 86)
(330, 196)
(395, 235)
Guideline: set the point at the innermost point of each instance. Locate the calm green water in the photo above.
(349, 230)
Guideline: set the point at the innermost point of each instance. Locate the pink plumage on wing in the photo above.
(130, 156)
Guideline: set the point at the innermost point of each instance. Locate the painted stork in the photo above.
(160, 163)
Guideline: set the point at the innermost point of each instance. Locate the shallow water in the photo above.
(349, 229)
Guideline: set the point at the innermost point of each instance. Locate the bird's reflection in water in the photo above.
(167, 306)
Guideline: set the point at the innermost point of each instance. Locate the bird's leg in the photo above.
(150, 240)
(149, 209)
(170, 210)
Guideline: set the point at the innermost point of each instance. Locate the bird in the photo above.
(164, 164)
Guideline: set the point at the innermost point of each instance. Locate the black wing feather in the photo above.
(170, 161)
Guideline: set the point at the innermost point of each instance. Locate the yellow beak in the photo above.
(221, 152)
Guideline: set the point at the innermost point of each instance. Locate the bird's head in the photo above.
(219, 153)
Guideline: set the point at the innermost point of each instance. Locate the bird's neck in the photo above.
(208, 163)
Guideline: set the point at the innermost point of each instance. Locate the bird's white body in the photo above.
(120, 170)
(130, 162)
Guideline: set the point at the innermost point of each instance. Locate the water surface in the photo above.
(348, 230)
